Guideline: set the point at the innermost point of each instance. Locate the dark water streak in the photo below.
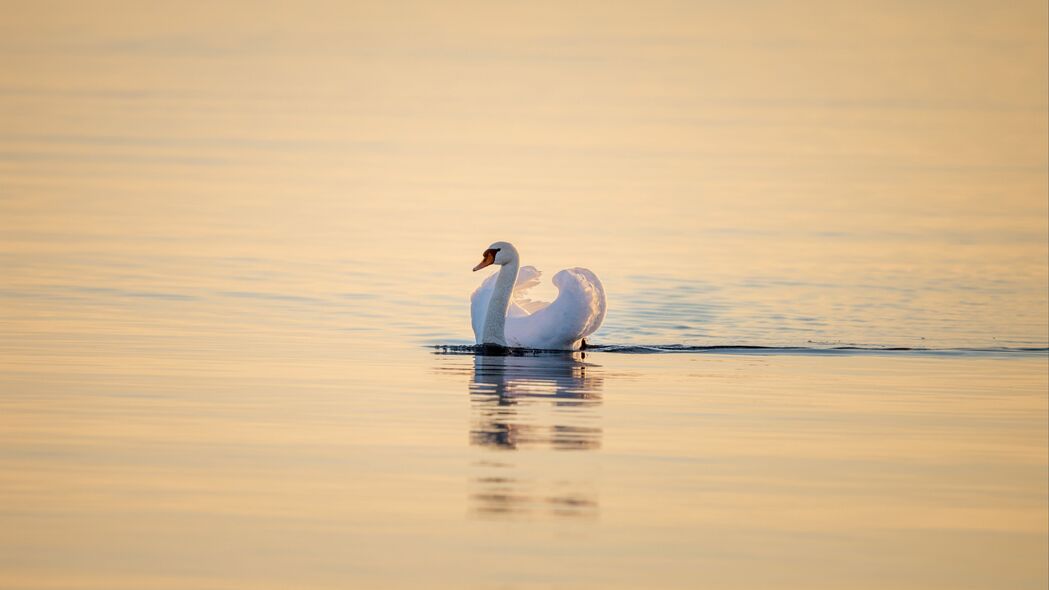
(485, 350)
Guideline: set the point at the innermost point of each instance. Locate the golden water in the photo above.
(229, 234)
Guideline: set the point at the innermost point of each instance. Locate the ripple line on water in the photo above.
(748, 349)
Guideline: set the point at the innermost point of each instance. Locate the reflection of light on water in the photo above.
(534, 404)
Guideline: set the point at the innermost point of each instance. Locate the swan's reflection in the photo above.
(511, 396)
(535, 403)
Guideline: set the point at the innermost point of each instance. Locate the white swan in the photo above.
(503, 316)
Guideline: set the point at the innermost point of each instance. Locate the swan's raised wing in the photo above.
(576, 313)
(520, 305)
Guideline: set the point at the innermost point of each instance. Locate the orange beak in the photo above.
(489, 258)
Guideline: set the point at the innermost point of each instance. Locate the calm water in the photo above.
(230, 238)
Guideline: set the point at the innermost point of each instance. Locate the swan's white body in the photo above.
(503, 315)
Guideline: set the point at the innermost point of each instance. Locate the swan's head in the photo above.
(498, 253)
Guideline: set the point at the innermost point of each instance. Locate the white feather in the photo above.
(561, 324)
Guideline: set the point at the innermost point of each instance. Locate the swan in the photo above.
(503, 316)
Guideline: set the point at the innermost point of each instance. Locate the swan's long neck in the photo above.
(495, 318)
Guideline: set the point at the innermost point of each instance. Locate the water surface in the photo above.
(231, 236)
